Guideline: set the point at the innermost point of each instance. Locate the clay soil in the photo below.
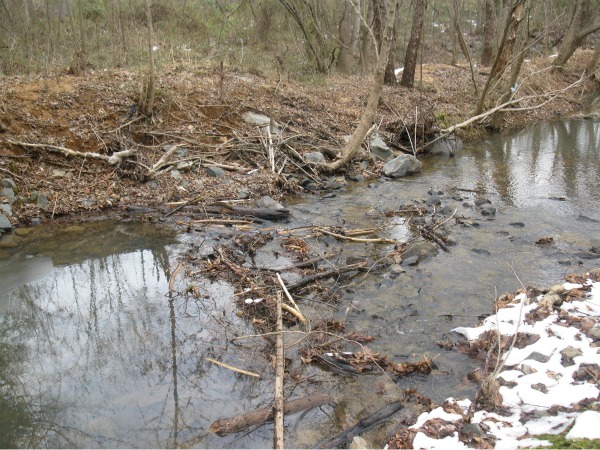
(200, 111)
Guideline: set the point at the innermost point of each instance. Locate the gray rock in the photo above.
(410, 261)
(433, 200)
(42, 201)
(482, 201)
(379, 149)
(153, 184)
(539, 357)
(332, 184)
(314, 157)
(568, 355)
(447, 146)
(8, 183)
(540, 387)
(213, 171)
(422, 250)
(261, 120)
(184, 165)
(89, 202)
(6, 209)
(175, 174)
(58, 173)
(4, 223)
(35, 221)
(397, 268)
(256, 119)
(472, 430)
(594, 333)
(595, 245)
(488, 211)
(268, 202)
(527, 369)
(9, 194)
(446, 210)
(243, 194)
(182, 152)
(401, 166)
(564, 262)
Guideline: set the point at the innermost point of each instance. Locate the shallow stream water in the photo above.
(96, 352)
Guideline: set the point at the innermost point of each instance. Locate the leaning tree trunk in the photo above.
(368, 114)
(585, 21)
(414, 43)
(505, 49)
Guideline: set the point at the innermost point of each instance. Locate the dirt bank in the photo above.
(200, 111)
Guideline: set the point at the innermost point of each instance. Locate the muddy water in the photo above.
(96, 352)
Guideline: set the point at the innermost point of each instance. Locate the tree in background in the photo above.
(414, 44)
(584, 20)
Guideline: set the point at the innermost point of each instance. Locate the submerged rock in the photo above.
(422, 250)
(401, 166)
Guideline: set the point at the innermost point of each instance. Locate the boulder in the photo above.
(446, 146)
(4, 223)
(214, 171)
(314, 157)
(268, 202)
(379, 149)
(9, 194)
(8, 183)
(402, 165)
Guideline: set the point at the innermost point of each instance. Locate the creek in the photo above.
(96, 352)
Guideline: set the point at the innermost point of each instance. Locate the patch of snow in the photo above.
(587, 426)
(437, 413)
(451, 442)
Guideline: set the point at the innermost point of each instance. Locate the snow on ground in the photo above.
(542, 383)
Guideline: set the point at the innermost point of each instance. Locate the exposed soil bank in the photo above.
(201, 115)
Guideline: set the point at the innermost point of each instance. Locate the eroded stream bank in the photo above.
(100, 353)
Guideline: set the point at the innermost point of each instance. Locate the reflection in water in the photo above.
(551, 159)
(99, 353)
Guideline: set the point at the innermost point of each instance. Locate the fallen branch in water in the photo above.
(346, 436)
(260, 416)
(293, 310)
(328, 273)
(235, 369)
(279, 373)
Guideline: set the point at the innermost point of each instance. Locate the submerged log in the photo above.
(247, 420)
(346, 436)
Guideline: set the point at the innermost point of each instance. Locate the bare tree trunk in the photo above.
(346, 57)
(414, 43)
(584, 21)
(591, 67)
(148, 86)
(368, 114)
(367, 47)
(489, 31)
(503, 56)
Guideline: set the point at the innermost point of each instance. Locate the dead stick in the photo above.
(235, 369)
(328, 273)
(247, 420)
(352, 239)
(280, 361)
(299, 314)
(173, 276)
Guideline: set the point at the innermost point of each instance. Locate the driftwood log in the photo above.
(346, 436)
(260, 416)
